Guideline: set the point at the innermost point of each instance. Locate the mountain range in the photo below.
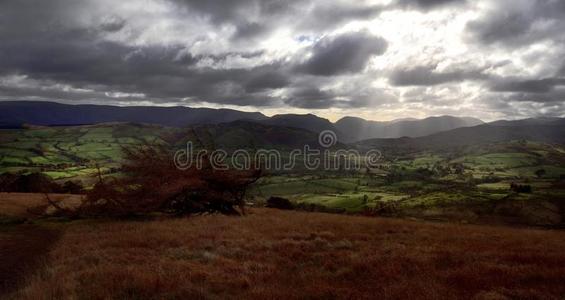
(14, 114)
(17, 113)
(231, 128)
(543, 130)
(360, 129)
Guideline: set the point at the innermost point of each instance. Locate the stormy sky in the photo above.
(379, 60)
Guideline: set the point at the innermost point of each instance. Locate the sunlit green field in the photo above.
(464, 182)
(70, 152)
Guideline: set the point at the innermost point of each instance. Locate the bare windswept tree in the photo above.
(152, 183)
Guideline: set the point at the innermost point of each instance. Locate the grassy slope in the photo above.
(291, 255)
(71, 152)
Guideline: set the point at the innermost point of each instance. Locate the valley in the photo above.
(469, 183)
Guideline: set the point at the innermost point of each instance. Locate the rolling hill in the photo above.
(65, 151)
(357, 129)
(250, 135)
(308, 122)
(15, 113)
(535, 130)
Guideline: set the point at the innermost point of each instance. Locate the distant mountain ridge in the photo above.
(359, 129)
(530, 121)
(541, 130)
(14, 114)
(308, 122)
(17, 113)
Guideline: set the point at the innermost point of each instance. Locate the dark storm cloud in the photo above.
(158, 72)
(317, 15)
(238, 13)
(514, 23)
(233, 11)
(311, 97)
(428, 4)
(48, 42)
(266, 80)
(254, 18)
(429, 76)
(230, 54)
(66, 53)
(346, 53)
(333, 14)
(234, 52)
(249, 30)
(546, 91)
(503, 28)
(549, 98)
(534, 86)
(561, 70)
(112, 24)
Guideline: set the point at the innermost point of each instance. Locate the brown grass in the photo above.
(273, 254)
(23, 248)
(17, 204)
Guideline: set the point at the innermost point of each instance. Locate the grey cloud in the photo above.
(249, 30)
(515, 107)
(217, 58)
(358, 95)
(268, 80)
(311, 97)
(112, 24)
(504, 28)
(534, 86)
(347, 53)
(550, 98)
(562, 70)
(159, 72)
(514, 23)
(428, 76)
(428, 4)
(545, 91)
(70, 54)
(221, 11)
(250, 18)
(80, 44)
(255, 18)
(333, 14)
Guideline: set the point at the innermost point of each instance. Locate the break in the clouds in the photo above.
(375, 59)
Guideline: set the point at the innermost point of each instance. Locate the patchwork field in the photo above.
(469, 184)
(70, 152)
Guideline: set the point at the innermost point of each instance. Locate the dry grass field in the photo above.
(16, 205)
(273, 254)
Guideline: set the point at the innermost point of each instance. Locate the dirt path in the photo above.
(22, 248)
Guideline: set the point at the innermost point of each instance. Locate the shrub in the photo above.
(28, 183)
(72, 187)
(519, 188)
(540, 173)
(312, 207)
(279, 203)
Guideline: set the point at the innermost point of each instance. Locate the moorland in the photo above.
(472, 212)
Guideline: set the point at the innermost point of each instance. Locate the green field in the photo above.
(471, 181)
(71, 152)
